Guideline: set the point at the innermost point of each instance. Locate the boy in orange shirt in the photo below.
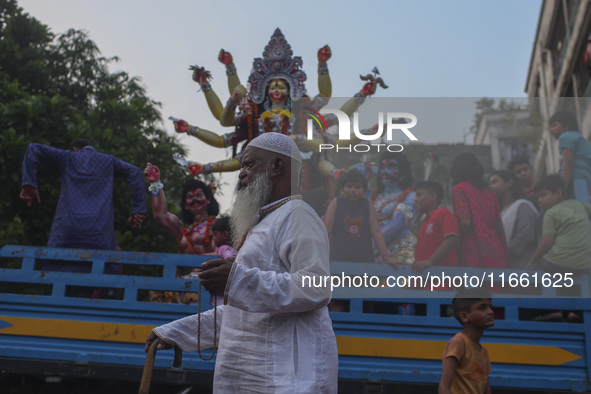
(466, 364)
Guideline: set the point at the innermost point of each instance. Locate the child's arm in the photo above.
(329, 219)
(543, 247)
(568, 163)
(449, 370)
(378, 237)
(445, 248)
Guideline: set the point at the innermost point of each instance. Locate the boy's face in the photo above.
(498, 185)
(481, 314)
(556, 128)
(353, 191)
(221, 237)
(547, 199)
(524, 173)
(425, 200)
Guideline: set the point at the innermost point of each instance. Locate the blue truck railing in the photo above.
(378, 346)
(49, 333)
(93, 336)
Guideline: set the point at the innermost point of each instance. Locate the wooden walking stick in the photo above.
(149, 365)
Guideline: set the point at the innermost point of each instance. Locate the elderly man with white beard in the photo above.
(275, 335)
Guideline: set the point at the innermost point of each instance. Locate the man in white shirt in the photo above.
(275, 335)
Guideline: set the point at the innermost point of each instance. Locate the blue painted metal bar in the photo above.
(128, 311)
(432, 327)
(573, 338)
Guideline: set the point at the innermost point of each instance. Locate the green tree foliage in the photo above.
(483, 105)
(55, 88)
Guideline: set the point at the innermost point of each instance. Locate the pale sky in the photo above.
(429, 48)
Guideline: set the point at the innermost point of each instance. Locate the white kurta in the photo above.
(271, 341)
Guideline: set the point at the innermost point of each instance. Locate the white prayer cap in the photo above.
(277, 143)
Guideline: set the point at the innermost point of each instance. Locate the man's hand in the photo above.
(161, 343)
(28, 194)
(136, 219)
(420, 265)
(215, 275)
(152, 173)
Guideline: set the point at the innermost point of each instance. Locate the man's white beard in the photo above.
(249, 200)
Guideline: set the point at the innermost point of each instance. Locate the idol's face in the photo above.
(389, 172)
(196, 201)
(278, 91)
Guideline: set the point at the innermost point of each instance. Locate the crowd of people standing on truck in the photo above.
(504, 221)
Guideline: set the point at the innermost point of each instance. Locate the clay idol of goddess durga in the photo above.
(275, 86)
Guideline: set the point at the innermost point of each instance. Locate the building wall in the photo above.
(500, 130)
(557, 78)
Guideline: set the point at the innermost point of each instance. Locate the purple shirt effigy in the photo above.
(84, 217)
